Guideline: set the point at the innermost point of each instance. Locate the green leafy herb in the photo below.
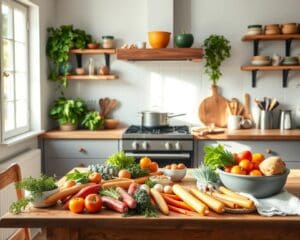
(80, 177)
(120, 160)
(20, 205)
(217, 157)
(217, 49)
(110, 192)
(93, 121)
(206, 177)
(150, 183)
(144, 206)
(136, 171)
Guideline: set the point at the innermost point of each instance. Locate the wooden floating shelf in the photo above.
(269, 68)
(160, 54)
(92, 77)
(270, 37)
(93, 51)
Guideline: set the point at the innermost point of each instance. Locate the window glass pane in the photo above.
(9, 116)
(21, 116)
(21, 86)
(6, 21)
(7, 55)
(8, 83)
(20, 56)
(20, 25)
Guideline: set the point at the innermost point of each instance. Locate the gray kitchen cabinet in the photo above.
(60, 156)
(288, 150)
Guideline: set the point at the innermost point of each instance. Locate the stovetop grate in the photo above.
(135, 129)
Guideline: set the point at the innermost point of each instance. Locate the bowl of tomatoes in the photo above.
(176, 172)
(246, 176)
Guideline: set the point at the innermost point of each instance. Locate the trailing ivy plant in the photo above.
(217, 49)
(60, 41)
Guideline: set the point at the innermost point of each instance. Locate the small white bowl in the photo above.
(175, 175)
(38, 202)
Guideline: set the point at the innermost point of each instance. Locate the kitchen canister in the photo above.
(266, 120)
(285, 119)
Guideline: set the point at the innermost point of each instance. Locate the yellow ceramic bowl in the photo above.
(159, 39)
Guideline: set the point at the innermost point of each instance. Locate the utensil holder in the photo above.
(266, 120)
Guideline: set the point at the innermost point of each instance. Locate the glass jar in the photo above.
(107, 41)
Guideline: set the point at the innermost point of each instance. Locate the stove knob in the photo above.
(178, 146)
(168, 145)
(135, 145)
(145, 145)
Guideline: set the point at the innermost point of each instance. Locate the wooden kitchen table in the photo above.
(62, 224)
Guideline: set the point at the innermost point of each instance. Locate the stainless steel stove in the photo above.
(172, 144)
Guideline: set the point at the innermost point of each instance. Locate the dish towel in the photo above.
(282, 204)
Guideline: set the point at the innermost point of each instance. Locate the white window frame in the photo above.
(34, 88)
(21, 130)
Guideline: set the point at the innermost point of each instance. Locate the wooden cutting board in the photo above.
(213, 110)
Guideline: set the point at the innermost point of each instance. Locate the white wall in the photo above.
(47, 18)
(181, 86)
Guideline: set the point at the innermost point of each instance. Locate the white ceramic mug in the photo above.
(234, 122)
(141, 45)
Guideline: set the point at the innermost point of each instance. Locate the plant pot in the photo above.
(68, 127)
(184, 40)
(64, 70)
(38, 202)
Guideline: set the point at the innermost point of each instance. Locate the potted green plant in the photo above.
(68, 113)
(60, 41)
(217, 49)
(36, 190)
(93, 121)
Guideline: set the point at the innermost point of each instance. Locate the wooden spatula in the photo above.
(247, 113)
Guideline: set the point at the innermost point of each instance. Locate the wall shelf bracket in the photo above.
(255, 47)
(254, 77)
(285, 75)
(79, 60)
(288, 43)
(107, 60)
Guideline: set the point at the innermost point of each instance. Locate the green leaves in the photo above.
(93, 121)
(217, 49)
(217, 157)
(80, 177)
(120, 160)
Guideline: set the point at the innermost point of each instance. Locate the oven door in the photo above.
(164, 159)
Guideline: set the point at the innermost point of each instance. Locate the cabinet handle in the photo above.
(82, 150)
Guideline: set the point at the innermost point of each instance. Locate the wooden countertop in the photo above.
(86, 134)
(253, 134)
(63, 225)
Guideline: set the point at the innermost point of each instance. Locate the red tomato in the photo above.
(244, 155)
(246, 165)
(76, 205)
(228, 169)
(93, 203)
(95, 177)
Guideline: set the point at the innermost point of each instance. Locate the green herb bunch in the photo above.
(36, 186)
(68, 110)
(217, 157)
(93, 121)
(136, 171)
(79, 177)
(110, 192)
(217, 49)
(206, 177)
(60, 41)
(120, 160)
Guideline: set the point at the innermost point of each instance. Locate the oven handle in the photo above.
(160, 156)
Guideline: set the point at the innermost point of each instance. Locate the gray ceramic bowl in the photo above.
(175, 175)
(260, 187)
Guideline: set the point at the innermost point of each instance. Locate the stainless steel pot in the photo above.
(156, 119)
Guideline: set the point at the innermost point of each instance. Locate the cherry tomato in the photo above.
(153, 167)
(95, 177)
(228, 169)
(255, 172)
(93, 203)
(257, 158)
(244, 155)
(246, 165)
(76, 205)
(237, 170)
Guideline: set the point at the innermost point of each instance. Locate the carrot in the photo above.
(161, 203)
(178, 204)
(173, 196)
(189, 199)
(241, 202)
(231, 193)
(212, 203)
(141, 180)
(124, 184)
(65, 192)
(178, 210)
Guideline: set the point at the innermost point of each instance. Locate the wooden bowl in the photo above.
(261, 58)
(159, 39)
(111, 123)
(93, 45)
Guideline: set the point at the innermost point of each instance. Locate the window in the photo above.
(14, 69)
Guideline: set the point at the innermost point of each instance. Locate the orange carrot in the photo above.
(173, 196)
(178, 210)
(179, 204)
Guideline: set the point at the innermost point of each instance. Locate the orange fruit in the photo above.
(257, 158)
(237, 170)
(76, 205)
(145, 162)
(255, 172)
(246, 165)
(153, 167)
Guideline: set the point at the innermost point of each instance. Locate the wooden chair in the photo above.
(8, 176)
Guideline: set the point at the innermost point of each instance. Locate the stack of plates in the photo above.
(290, 61)
(261, 60)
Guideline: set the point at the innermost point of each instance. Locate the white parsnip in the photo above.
(160, 201)
(228, 192)
(245, 203)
